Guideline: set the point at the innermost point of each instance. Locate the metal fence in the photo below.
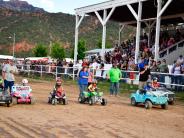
(132, 77)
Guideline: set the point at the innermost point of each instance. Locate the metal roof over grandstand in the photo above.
(132, 12)
(173, 14)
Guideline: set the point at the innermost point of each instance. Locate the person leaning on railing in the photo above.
(177, 71)
(162, 68)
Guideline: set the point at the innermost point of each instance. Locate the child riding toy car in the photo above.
(58, 95)
(5, 98)
(149, 98)
(22, 93)
(155, 86)
(92, 96)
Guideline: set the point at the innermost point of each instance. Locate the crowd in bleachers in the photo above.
(124, 56)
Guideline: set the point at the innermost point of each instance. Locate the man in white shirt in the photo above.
(8, 74)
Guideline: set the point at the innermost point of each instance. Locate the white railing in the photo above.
(128, 76)
(171, 49)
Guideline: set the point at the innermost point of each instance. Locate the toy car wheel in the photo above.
(49, 100)
(54, 101)
(65, 101)
(148, 104)
(104, 102)
(133, 101)
(32, 100)
(9, 104)
(172, 102)
(91, 100)
(164, 106)
(14, 100)
(81, 99)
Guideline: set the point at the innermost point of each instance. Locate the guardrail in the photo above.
(170, 80)
(171, 49)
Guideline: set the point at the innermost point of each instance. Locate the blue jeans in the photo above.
(8, 84)
(114, 88)
(82, 88)
(178, 80)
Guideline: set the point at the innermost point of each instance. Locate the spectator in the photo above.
(163, 68)
(144, 76)
(84, 63)
(171, 42)
(180, 59)
(154, 67)
(178, 35)
(8, 75)
(177, 70)
(114, 75)
(90, 77)
(94, 65)
(70, 65)
(141, 64)
(83, 79)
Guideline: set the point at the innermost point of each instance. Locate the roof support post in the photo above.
(138, 32)
(157, 37)
(99, 17)
(164, 8)
(133, 11)
(104, 22)
(78, 22)
(150, 27)
(109, 15)
(104, 35)
(120, 31)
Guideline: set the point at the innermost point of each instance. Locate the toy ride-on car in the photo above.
(55, 99)
(92, 98)
(149, 98)
(22, 94)
(5, 98)
(169, 94)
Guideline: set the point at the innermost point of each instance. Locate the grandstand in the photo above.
(149, 14)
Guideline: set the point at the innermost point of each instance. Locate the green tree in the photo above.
(57, 51)
(107, 45)
(81, 49)
(40, 51)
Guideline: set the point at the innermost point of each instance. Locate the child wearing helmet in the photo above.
(24, 82)
(58, 89)
(93, 86)
(148, 86)
(155, 83)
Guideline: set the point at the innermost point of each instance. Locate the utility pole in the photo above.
(14, 45)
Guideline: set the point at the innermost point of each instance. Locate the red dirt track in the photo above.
(116, 120)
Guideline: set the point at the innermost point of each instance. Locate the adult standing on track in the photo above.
(144, 76)
(83, 79)
(9, 70)
(114, 75)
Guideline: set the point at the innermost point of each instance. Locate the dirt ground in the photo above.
(116, 120)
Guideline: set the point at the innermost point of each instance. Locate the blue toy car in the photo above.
(149, 98)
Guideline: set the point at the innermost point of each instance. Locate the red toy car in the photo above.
(22, 94)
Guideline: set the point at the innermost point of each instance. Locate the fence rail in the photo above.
(167, 79)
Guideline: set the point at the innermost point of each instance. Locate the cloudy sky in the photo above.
(66, 6)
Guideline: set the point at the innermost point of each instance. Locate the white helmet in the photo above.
(24, 81)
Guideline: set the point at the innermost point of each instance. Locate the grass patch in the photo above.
(180, 96)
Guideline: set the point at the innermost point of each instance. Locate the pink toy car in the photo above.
(22, 94)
